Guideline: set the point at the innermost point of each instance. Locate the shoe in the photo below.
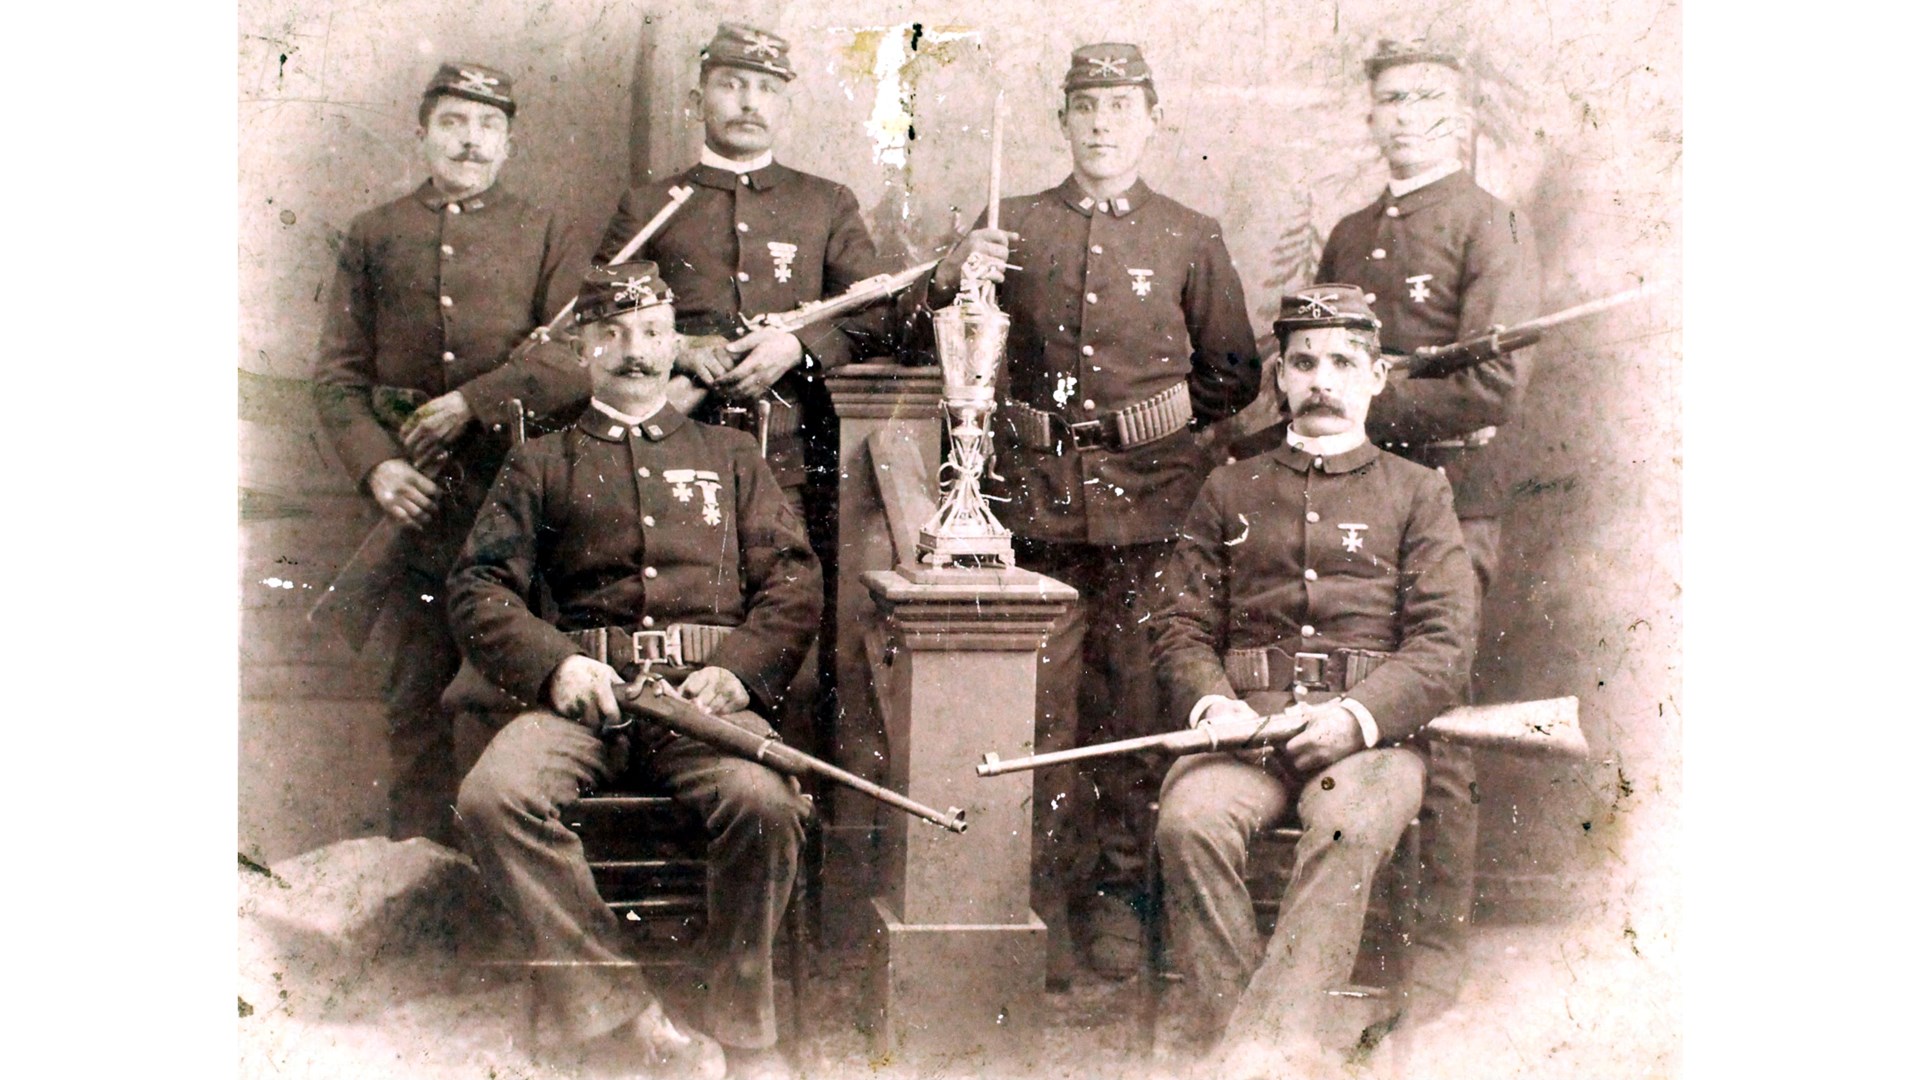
(763, 1064)
(1117, 945)
(669, 1052)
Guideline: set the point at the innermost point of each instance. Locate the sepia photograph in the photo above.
(945, 540)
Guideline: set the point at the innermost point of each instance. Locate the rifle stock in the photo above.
(352, 603)
(651, 699)
(1548, 728)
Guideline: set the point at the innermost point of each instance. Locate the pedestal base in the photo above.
(967, 997)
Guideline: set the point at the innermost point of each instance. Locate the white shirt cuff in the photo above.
(1369, 727)
(1200, 707)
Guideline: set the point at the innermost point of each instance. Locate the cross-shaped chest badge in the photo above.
(685, 480)
(1141, 285)
(1419, 292)
(782, 259)
(1352, 538)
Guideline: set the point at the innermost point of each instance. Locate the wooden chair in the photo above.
(1270, 858)
(648, 856)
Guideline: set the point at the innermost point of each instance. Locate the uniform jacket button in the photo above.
(650, 572)
(1312, 575)
(446, 301)
(1377, 253)
(742, 275)
(1306, 631)
(1393, 211)
(1313, 515)
(646, 620)
(647, 520)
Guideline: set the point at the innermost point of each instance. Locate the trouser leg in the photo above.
(421, 659)
(1060, 855)
(1120, 699)
(1450, 828)
(1352, 814)
(754, 819)
(1210, 806)
(510, 804)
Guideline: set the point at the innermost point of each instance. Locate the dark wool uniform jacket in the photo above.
(1113, 303)
(723, 253)
(430, 294)
(1360, 550)
(672, 521)
(1445, 262)
(761, 243)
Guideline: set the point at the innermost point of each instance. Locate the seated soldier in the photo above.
(1328, 580)
(635, 519)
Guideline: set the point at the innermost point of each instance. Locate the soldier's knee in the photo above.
(764, 800)
(501, 786)
(1187, 826)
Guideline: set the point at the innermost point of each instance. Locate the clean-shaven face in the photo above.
(1418, 117)
(1108, 128)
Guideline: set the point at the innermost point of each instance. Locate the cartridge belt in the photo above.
(1147, 421)
(1336, 670)
(676, 645)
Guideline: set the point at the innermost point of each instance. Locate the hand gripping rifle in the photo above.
(650, 697)
(1549, 728)
(352, 603)
(759, 328)
(1433, 361)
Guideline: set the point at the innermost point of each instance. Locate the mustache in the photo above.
(1319, 404)
(472, 155)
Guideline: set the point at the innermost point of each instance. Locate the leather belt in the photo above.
(677, 645)
(1147, 421)
(1336, 671)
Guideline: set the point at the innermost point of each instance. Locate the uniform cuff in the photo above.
(1369, 728)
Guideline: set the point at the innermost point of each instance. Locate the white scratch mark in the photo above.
(1246, 527)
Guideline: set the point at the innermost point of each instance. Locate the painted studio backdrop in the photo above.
(1578, 124)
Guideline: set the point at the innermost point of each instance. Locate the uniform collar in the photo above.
(432, 198)
(715, 160)
(604, 424)
(724, 180)
(1427, 194)
(1400, 189)
(1326, 444)
(1133, 199)
(1332, 464)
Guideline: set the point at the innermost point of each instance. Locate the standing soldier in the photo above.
(1129, 332)
(430, 294)
(756, 238)
(1441, 260)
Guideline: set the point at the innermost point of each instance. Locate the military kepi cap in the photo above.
(738, 46)
(613, 290)
(475, 82)
(1108, 64)
(1325, 305)
(1391, 53)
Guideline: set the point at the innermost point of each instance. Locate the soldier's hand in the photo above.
(1332, 733)
(704, 363)
(404, 493)
(992, 245)
(718, 691)
(581, 689)
(756, 372)
(683, 395)
(433, 427)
